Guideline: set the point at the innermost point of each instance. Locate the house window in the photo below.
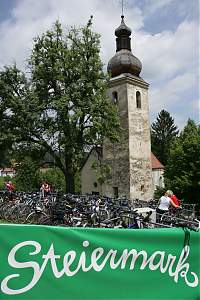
(161, 182)
(115, 191)
(115, 98)
(138, 100)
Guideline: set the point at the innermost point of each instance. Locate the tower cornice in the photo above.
(128, 78)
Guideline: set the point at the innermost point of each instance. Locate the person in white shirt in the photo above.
(164, 204)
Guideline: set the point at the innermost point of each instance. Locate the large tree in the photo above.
(163, 133)
(182, 173)
(4, 155)
(5, 136)
(62, 105)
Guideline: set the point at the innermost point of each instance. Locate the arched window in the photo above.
(115, 97)
(138, 100)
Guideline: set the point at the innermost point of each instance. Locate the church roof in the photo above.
(124, 62)
(122, 29)
(155, 163)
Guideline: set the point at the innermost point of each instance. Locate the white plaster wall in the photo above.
(156, 175)
(88, 176)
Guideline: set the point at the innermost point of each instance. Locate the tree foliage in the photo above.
(26, 175)
(163, 133)
(182, 173)
(54, 177)
(4, 155)
(62, 105)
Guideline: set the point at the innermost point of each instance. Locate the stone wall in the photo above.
(117, 155)
(158, 178)
(139, 141)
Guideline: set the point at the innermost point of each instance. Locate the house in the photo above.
(7, 172)
(157, 172)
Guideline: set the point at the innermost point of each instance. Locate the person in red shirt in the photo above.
(10, 187)
(174, 198)
(46, 189)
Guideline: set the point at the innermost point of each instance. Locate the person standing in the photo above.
(10, 188)
(174, 198)
(164, 203)
(45, 189)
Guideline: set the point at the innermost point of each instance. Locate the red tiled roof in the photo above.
(155, 163)
(7, 170)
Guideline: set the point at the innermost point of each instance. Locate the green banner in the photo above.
(41, 262)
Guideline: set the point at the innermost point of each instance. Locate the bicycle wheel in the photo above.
(166, 219)
(34, 218)
(45, 220)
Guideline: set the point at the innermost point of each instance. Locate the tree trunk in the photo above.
(69, 183)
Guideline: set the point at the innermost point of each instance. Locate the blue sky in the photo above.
(165, 37)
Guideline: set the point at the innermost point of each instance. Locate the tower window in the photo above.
(115, 97)
(138, 100)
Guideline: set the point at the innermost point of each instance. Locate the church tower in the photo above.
(129, 160)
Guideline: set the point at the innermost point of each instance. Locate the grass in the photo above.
(3, 221)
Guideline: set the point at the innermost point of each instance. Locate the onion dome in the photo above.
(124, 61)
(122, 29)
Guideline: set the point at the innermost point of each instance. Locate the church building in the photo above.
(130, 160)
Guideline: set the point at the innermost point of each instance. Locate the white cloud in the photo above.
(171, 66)
(172, 90)
(166, 53)
(152, 6)
(30, 18)
(174, 94)
(169, 58)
